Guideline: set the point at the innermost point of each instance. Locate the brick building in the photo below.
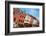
(22, 19)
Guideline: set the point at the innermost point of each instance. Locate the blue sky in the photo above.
(31, 11)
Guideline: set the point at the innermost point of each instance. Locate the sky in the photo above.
(31, 11)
